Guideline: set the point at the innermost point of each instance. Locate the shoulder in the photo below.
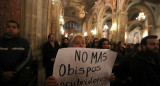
(23, 40)
(138, 60)
(56, 42)
(46, 44)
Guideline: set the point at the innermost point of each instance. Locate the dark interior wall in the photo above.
(9, 10)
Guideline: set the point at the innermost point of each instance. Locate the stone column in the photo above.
(114, 27)
(56, 13)
(89, 28)
(121, 24)
(35, 24)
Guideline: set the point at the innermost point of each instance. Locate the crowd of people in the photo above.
(135, 65)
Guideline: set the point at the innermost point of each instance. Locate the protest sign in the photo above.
(83, 66)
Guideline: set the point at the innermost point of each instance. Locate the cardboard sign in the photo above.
(83, 66)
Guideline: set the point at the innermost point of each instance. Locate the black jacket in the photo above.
(145, 70)
(15, 54)
(49, 52)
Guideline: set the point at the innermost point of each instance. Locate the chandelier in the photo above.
(141, 16)
(93, 31)
(105, 26)
(53, 2)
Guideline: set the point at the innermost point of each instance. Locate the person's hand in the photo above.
(112, 77)
(8, 75)
(51, 81)
(53, 59)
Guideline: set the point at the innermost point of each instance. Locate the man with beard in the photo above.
(145, 66)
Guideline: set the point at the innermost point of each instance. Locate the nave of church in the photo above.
(117, 20)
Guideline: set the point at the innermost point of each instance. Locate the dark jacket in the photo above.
(145, 70)
(15, 55)
(49, 52)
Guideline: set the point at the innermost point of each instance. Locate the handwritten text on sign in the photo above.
(83, 66)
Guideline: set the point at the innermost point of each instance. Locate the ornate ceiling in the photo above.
(80, 6)
(88, 4)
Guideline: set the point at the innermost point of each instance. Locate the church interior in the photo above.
(117, 20)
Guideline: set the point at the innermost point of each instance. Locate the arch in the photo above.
(101, 14)
(102, 11)
(72, 19)
(75, 7)
(133, 25)
(131, 4)
(109, 16)
(72, 25)
(89, 24)
(146, 10)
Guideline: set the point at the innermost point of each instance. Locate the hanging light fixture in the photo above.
(53, 2)
(106, 26)
(141, 16)
(93, 31)
(62, 30)
(61, 20)
(85, 33)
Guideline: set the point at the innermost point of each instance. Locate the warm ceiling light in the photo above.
(141, 16)
(113, 27)
(85, 33)
(105, 26)
(53, 2)
(93, 31)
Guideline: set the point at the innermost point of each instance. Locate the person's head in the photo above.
(103, 43)
(51, 37)
(150, 44)
(131, 46)
(12, 27)
(77, 40)
(65, 40)
(120, 44)
(87, 41)
(137, 47)
(95, 43)
(95, 40)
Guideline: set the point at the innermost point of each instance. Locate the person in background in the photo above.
(137, 48)
(103, 43)
(76, 41)
(121, 52)
(130, 49)
(94, 43)
(15, 57)
(49, 52)
(64, 43)
(87, 41)
(145, 66)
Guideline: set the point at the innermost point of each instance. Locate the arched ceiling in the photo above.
(88, 4)
(85, 5)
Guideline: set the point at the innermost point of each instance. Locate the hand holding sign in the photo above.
(83, 67)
